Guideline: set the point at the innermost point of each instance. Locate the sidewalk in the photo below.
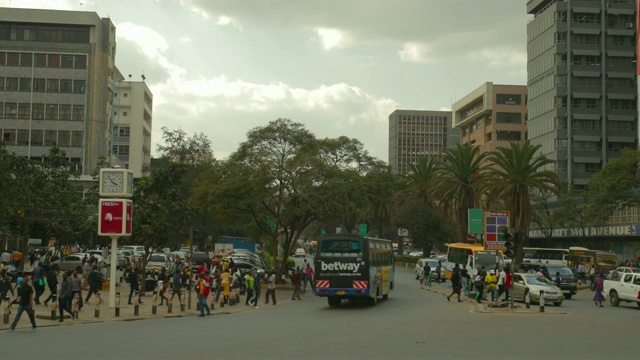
(145, 310)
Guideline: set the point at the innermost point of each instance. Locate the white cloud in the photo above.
(332, 38)
(414, 52)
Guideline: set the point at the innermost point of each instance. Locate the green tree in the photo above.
(518, 172)
(427, 224)
(461, 182)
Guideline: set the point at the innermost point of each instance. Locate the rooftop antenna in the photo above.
(129, 77)
(143, 77)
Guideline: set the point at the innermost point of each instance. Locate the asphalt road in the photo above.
(413, 323)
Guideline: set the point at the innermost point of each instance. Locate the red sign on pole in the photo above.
(115, 217)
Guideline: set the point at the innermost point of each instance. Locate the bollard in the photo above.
(170, 302)
(117, 303)
(54, 302)
(541, 300)
(212, 300)
(136, 304)
(74, 305)
(7, 310)
(527, 300)
(154, 302)
(183, 296)
(97, 306)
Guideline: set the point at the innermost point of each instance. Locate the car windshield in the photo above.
(538, 280)
(157, 258)
(564, 271)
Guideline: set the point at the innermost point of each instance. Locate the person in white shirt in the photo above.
(271, 288)
(502, 279)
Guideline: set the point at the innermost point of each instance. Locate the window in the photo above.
(38, 111)
(13, 59)
(10, 110)
(78, 112)
(123, 150)
(124, 131)
(125, 95)
(50, 137)
(53, 85)
(40, 60)
(11, 84)
(53, 60)
(25, 84)
(124, 113)
(24, 111)
(39, 85)
(508, 135)
(78, 86)
(36, 137)
(67, 61)
(26, 59)
(508, 118)
(64, 138)
(3, 57)
(51, 112)
(509, 99)
(80, 62)
(65, 85)
(76, 138)
(65, 112)
(9, 136)
(1, 83)
(592, 168)
(23, 137)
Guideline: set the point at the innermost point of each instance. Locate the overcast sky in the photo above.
(340, 67)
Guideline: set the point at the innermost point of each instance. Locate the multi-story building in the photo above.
(582, 58)
(492, 116)
(416, 133)
(56, 83)
(132, 124)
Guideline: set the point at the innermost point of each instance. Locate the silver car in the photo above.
(525, 283)
(69, 263)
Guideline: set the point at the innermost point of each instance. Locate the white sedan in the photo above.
(300, 252)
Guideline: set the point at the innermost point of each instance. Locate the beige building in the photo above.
(132, 124)
(492, 116)
(56, 83)
(417, 133)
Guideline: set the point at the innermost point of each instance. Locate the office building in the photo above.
(416, 133)
(582, 58)
(56, 83)
(492, 116)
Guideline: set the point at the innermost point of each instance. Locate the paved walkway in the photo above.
(145, 310)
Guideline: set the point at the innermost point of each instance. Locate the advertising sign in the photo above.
(475, 221)
(224, 249)
(495, 224)
(114, 217)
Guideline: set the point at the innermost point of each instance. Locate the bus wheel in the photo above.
(385, 296)
(334, 301)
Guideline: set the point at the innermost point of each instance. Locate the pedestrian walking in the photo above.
(426, 273)
(76, 288)
(478, 282)
(502, 279)
(38, 282)
(455, 282)
(297, 279)
(177, 284)
(225, 281)
(203, 292)
(25, 303)
(308, 278)
(491, 284)
(52, 283)
(439, 271)
(163, 283)
(271, 288)
(257, 283)
(249, 283)
(95, 283)
(134, 283)
(598, 298)
(64, 297)
(464, 280)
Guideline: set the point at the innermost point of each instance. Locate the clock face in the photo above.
(112, 182)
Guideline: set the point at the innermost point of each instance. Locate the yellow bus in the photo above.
(474, 256)
(601, 260)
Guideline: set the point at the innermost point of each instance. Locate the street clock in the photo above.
(116, 183)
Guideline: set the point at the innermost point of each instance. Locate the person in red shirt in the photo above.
(202, 286)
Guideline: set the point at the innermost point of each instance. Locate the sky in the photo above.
(340, 67)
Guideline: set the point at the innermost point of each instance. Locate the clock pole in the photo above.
(112, 271)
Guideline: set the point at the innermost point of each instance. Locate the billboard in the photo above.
(495, 224)
(115, 217)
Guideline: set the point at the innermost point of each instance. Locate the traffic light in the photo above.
(509, 244)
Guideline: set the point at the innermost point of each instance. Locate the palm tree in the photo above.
(518, 172)
(420, 180)
(461, 182)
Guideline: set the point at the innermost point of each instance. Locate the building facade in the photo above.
(492, 116)
(132, 125)
(56, 83)
(582, 58)
(417, 133)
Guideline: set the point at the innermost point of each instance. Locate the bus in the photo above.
(474, 256)
(601, 260)
(353, 267)
(545, 256)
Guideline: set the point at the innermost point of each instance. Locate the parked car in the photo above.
(69, 263)
(300, 252)
(568, 280)
(158, 261)
(532, 284)
(433, 263)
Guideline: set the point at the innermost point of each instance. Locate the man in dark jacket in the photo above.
(64, 297)
(52, 282)
(95, 283)
(134, 283)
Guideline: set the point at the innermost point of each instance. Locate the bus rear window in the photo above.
(340, 247)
